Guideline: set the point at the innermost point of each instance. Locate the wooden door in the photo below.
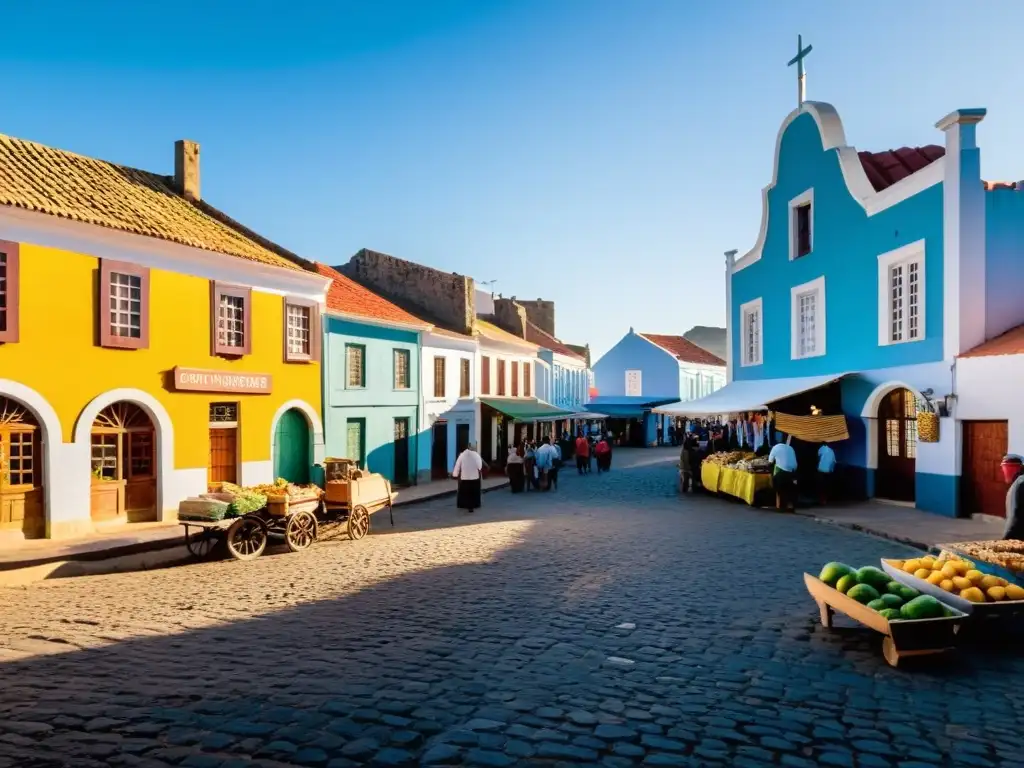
(439, 451)
(123, 461)
(21, 472)
(140, 476)
(223, 466)
(897, 446)
(291, 447)
(982, 487)
(401, 442)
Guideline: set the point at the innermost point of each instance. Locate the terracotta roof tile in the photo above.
(542, 338)
(683, 349)
(59, 183)
(886, 168)
(1009, 343)
(349, 297)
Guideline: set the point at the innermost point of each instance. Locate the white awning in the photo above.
(748, 395)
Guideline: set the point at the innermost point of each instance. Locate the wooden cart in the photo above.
(352, 495)
(903, 638)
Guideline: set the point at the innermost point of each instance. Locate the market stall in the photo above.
(736, 473)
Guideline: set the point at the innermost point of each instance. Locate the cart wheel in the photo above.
(246, 538)
(358, 522)
(202, 545)
(300, 532)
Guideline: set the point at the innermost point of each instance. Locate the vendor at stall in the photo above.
(1013, 473)
(783, 457)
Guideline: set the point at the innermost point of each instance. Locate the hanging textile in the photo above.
(813, 429)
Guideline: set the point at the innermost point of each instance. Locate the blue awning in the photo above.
(625, 407)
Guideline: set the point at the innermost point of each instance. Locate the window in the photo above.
(465, 371)
(485, 375)
(123, 305)
(439, 374)
(402, 379)
(501, 377)
(807, 330)
(355, 440)
(355, 356)
(901, 300)
(515, 378)
(751, 348)
(301, 331)
(232, 314)
(9, 289)
(527, 382)
(801, 225)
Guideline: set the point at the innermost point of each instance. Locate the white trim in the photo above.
(816, 287)
(161, 422)
(907, 254)
(730, 257)
(834, 138)
(804, 198)
(754, 305)
(49, 231)
(874, 400)
(316, 428)
(423, 327)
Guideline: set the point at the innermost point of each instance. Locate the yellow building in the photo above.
(149, 345)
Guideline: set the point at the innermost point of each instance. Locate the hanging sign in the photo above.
(634, 385)
(199, 380)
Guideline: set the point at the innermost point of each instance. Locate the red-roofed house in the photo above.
(371, 369)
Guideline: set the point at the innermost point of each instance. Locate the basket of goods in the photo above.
(914, 624)
(203, 510)
(284, 498)
(958, 582)
(927, 426)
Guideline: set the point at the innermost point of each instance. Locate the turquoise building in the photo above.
(371, 389)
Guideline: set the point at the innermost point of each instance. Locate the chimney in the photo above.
(186, 168)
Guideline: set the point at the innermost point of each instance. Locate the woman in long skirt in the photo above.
(514, 470)
(469, 469)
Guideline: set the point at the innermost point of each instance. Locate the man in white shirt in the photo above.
(468, 470)
(783, 457)
(546, 455)
(826, 466)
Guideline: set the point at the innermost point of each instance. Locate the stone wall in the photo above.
(541, 313)
(445, 298)
(510, 316)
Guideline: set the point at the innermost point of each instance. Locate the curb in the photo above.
(872, 532)
(138, 556)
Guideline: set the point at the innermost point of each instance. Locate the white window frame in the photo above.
(904, 255)
(817, 288)
(804, 198)
(746, 310)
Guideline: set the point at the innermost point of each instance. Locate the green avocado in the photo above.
(891, 601)
(832, 572)
(876, 577)
(877, 605)
(846, 583)
(863, 593)
(891, 614)
(923, 607)
(908, 593)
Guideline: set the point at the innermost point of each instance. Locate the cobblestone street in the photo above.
(608, 623)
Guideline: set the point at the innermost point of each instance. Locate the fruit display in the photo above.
(741, 460)
(959, 577)
(874, 588)
(1008, 553)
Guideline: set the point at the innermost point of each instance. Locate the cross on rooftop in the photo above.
(801, 78)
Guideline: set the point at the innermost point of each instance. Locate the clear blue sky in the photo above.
(599, 153)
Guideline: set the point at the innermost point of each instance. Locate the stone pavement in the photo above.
(608, 623)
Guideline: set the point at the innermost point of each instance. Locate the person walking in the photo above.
(545, 462)
(469, 471)
(686, 458)
(556, 464)
(582, 454)
(603, 454)
(530, 467)
(514, 470)
(826, 466)
(784, 475)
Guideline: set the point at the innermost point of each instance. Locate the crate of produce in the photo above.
(958, 583)
(912, 624)
(1003, 558)
(202, 510)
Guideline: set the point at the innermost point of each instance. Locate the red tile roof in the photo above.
(1009, 343)
(347, 296)
(683, 349)
(535, 335)
(886, 168)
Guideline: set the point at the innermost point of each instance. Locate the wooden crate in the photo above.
(280, 506)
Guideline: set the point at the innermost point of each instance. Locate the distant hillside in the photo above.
(706, 337)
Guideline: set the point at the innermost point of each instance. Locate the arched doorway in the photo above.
(123, 451)
(291, 447)
(21, 471)
(897, 445)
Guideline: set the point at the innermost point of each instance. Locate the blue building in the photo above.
(371, 369)
(644, 371)
(873, 272)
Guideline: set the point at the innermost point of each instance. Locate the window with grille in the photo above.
(223, 413)
(751, 328)
(355, 355)
(300, 331)
(515, 379)
(527, 381)
(439, 374)
(4, 291)
(125, 305)
(501, 378)
(485, 375)
(402, 360)
(801, 224)
(9, 291)
(901, 301)
(231, 322)
(231, 310)
(807, 328)
(465, 372)
(354, 440)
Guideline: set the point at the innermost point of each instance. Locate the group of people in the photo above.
(533, 467)
(598, 447)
